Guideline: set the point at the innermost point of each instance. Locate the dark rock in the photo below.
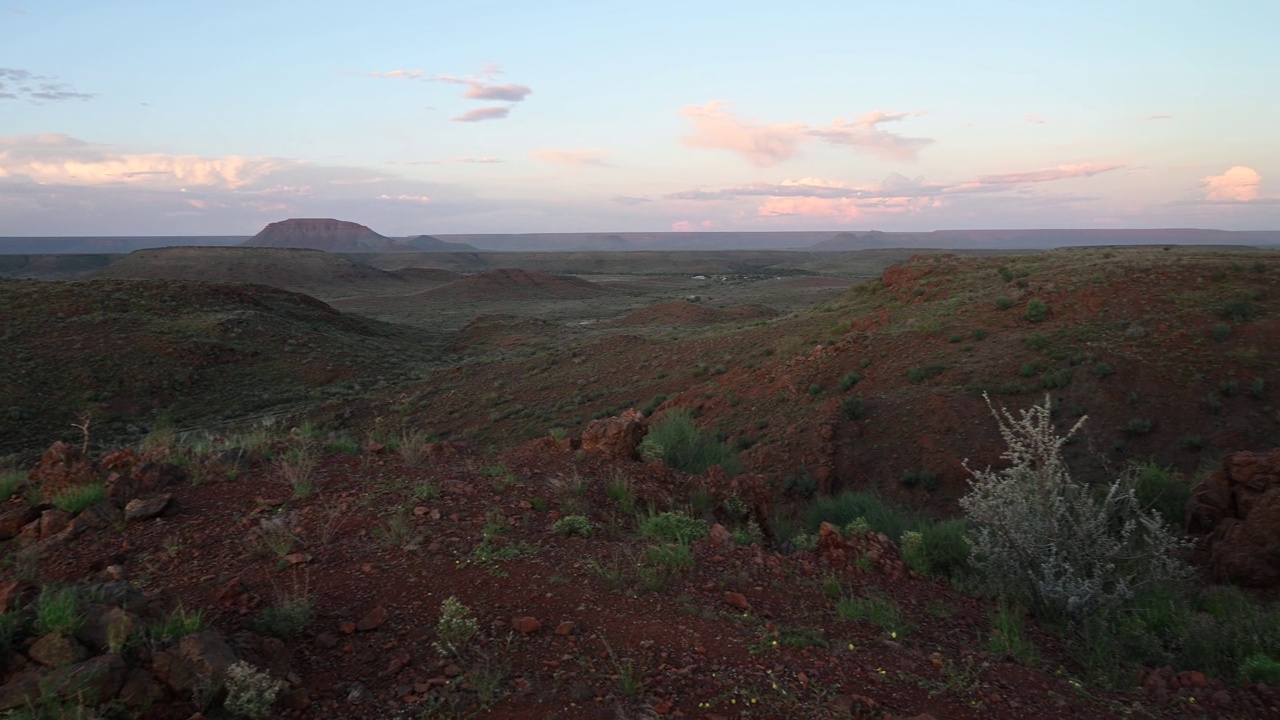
(1239, 508)
(199, 658)
(99, 678)
(373, 619)
(12, 521)
(55, 650)
(616, 436)
(141, 690)
(106, 626)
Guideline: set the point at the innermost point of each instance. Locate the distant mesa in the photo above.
(517, 284)
(606, 243)
(342, 236)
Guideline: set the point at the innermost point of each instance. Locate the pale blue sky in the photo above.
(137, 117)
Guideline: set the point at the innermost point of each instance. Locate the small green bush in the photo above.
(849, 380)
(1037, 342)
(287, 618)
(1036, 310)
(1260, 668)
(678, 442)
(853, 408)
(572, 525)
(924, 372)
(178, 624)
(945, 548)
(10, 481)
(674, 527)
(1138, 426)
(1003, 303)
(878, 611)
(1161, 490)
(1221, 332)
(1238, 310)
(842, 509)
(979, 333)
(78, 499)
(58, 610)
(1059, 378)
(1029, 368)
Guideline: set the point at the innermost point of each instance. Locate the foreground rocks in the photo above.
(1238, 509)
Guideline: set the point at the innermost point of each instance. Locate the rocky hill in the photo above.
(321, 234)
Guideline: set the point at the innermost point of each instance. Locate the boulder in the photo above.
(1238, 508)
(616, 436)
(99, 678)
(61, 468)
(12, 521)
(106, 627)
(198, 659)
(140, 509)
(56, 650)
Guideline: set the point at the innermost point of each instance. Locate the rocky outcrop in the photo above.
(1238, 508)
(63, 467)
(616, 436)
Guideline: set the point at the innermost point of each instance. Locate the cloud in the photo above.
(689, 226)
(475, 160)
(1238, 184)
(18, 84)
(419, 199)
(629, 200)
(715, 127)
(509, 92)
(61, 160)
(398, 74)
(1034, 119)
(896, 194)
(1060, 172)
(574, 158)
(865, 134)
(497, 112)
(1158, 117)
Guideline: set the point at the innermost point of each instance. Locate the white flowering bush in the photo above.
(1066, 549)
(455, 628)
(250, 692)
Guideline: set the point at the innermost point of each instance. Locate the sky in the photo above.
(154, 117)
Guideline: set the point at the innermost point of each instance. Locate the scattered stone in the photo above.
(373, 619)
(526, 625)
(566, 628)
(56, 650)
(297, 558)
(53, 522)
(139, 509)
(736, 600)
(720, 535)
(328, 641)
(12, 521)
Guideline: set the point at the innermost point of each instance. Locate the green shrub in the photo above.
(1138, 426)
(1029, 368)
(10, 481)
(846, 507)
(802, 483)
(287, 618)
(1221, 332)
(853, 408)
(58, 610)
(1037, 342)
(1036, 310)
(1005, 273)
(881, 612)
(922, 373)
(815, 389)
(1260, 668)
(1059, 378)
(78, 499)
(979, 333)
(1238, 310)
(945, 548)
(572, 525)
(849, 380)
(1161, 490)
(676, 440)
(1009, 637)
(674, 527)
(1003, 303)
(178, 624)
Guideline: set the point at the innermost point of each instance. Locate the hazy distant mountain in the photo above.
(607, 243)
(561, 242)
(108, 245)
(430, 243)
(1040, 239)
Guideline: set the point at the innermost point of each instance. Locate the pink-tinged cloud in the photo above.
(866, 135)
(419, 199)
(1061, 172)
(475, 160)
(1158, 117)
(509, 92)
(690, 226)
(1034, 119)
(398, 74)
(482, 114)
(1238, 184)
(60, 160)
(572, 158)
(716, 128)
